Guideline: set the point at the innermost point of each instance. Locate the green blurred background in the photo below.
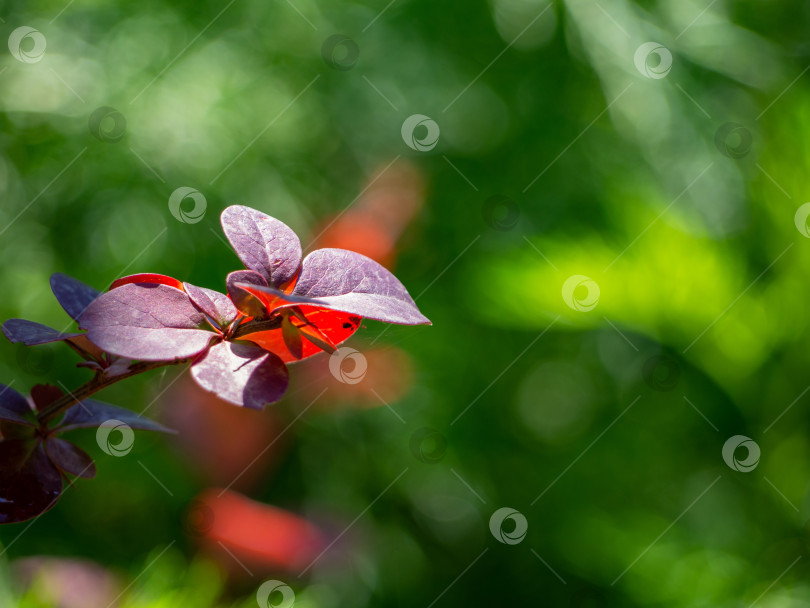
(562, 152)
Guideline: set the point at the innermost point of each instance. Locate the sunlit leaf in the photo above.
(146, 321)
(242, 374)
(263, 243)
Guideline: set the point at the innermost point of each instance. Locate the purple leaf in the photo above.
(91, 414)
(352, 283)
(11, 400)
(31, 333)
(146, 321)
(245, 302)
(73, 295)
(242, 374)
(10, 416)
(70, 458)
(263, 243)
(29, 482)
(216, 305)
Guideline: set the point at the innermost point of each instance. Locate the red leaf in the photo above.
(147, 277)
(44, 394)
(259, 533)
(335, 326)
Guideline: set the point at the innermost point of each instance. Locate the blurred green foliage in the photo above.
(616, 176)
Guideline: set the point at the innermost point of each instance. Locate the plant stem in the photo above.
(254, 326)
(98, 383)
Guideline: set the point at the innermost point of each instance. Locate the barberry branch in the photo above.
(99, 382)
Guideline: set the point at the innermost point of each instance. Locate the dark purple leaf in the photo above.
(44, 394)
(245, 302)
(216, 305)
(146, 321)
(70, 458)
(91, 414)
(9, 416)
(13, 401)
(29, 482)
(263, 243)
(73, 295)
(31, 333)
(352, 283)
(242, 374)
